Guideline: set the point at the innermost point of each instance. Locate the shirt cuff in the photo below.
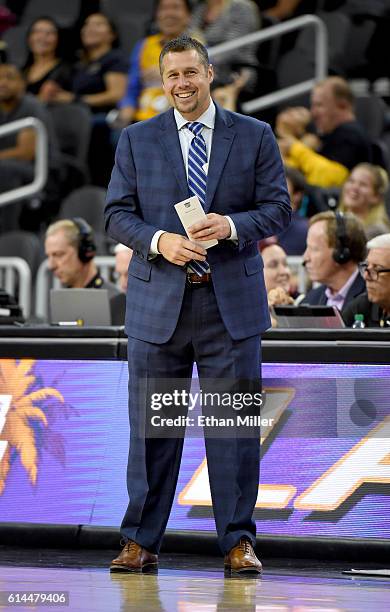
(153, 250)
(233, 232)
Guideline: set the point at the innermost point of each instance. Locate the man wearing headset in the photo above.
(335, 244)
(70, 250)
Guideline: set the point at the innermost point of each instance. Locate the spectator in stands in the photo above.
(17, 150)
(123, 255)
(276, 270)
(277, 274)
(336, 243)
(363, 195)
(220, 21)
(99, 81)
(145, 96)
(342, 142)
(70, 250)
(293, 239)
(100, 77)
(44, 63)
(375, 304)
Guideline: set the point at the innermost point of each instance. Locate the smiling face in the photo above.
(97, 31)
(186, 82)
(359, 191)
(43, 38)
(276, 270)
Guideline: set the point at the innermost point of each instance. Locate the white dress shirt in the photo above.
(185, 137)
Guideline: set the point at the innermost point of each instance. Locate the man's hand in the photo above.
(213, 227)
(179, 250)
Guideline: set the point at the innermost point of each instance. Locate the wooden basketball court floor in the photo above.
(187, 583)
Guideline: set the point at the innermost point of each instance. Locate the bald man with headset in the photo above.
(70, 250)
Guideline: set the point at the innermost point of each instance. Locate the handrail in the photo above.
(7, 266)
(45, 281)
(320, 55)
(40, 164)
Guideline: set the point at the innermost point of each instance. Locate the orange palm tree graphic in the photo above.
(15, 380)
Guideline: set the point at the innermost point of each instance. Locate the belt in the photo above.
(195, 279)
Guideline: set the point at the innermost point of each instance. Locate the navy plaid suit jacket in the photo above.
(245, 180)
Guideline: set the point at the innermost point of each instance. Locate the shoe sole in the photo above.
(134, 570)
(243, 570)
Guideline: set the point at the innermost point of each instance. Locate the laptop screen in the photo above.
(87, 306)
(306, 316)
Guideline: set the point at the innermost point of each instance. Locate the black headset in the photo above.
(86, 245)
(342, 252)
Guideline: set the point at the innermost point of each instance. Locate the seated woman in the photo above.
(99, 81)
(277, 274)
(100, 78)
(44, 62)
(363, 195)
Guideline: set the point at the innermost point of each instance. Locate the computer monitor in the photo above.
(87, 306)
(307, 316)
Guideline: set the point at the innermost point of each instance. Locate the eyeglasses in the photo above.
(372, 273)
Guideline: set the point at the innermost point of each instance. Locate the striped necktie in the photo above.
(197, 180)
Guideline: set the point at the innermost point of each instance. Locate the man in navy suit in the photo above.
(177, 316)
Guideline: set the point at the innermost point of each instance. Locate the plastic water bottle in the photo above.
(359, 322)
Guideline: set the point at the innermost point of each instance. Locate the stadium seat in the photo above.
(22, 244)
(87, 202)
(65, 12)
(371, 112)
(16, 48)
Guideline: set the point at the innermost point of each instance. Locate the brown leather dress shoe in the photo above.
(242, 559)
(133, 558)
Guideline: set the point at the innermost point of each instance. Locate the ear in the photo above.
(210, 73)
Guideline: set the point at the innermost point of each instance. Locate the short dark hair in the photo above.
(184, 43)
(355, 237)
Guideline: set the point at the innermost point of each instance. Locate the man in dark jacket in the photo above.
(336, 244)
(375, 304)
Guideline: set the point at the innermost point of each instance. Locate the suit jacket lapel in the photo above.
(223, 137)
(169, 140)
